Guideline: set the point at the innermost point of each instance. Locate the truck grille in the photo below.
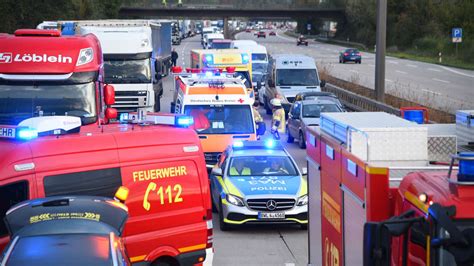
(211, 157)
(261, 204)
(129, 101)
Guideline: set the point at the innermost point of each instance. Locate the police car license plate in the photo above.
(7, 132)
(271, 215)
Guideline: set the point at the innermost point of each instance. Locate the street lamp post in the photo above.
(380, 52)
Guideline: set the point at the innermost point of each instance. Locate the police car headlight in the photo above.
(303, 200)
(234, 200)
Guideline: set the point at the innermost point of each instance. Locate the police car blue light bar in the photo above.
(257, 144)
(269, 143)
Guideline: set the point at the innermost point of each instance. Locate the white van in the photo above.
(238, 44)
(290, 75)
(208, 38)
(259, 65)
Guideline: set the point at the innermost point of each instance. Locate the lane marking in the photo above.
(457, 72)
(440, 80)
(371, 65)
(432, 92)
(434, 69)
(354, 71)
(389, 80)
(410, 65)
(401, 72)
(393, 62)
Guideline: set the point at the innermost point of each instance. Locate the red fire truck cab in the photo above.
(375, 199)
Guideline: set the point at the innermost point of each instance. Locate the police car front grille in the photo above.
(261, 204)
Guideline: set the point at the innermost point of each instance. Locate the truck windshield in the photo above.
(20, 102)
(262, 166)
(315, 110)
(118, 71)
(221, 119)
(259, 67)
(297, 77)
(259, 57)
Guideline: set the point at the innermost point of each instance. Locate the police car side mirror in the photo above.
(304, 171)
(217, 171)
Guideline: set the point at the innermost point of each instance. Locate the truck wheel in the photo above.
(222, 225)
(301, 141)
(290, 139)
(165, 261)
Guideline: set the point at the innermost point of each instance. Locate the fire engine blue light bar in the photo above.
(27, 134)
(466, 167)
(184, 121)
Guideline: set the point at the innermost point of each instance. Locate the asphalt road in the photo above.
(438, 86)
(257, 244)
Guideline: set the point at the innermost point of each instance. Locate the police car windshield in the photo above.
(297, 77)
(20, 102)
(315, 110)
(221, 119)
(127, 71)
(261, 166)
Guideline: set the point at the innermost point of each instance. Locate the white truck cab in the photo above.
(290, 75)
(210, 37)
(128, 63)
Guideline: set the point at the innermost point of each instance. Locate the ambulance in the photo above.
(220, 106)
(222, 58)
(56, 138)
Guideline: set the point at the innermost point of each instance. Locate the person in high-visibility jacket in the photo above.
(238, 168)
(278, 120)
(260, 125)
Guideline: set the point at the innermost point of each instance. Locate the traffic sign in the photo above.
(456, 35)
(308, 26)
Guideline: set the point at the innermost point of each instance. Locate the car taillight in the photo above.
(346, 54)
(209, 226)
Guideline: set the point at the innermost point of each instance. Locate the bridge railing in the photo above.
(215, 4)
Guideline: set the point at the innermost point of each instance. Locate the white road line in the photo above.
(289, 264)
(389, 80)
(440, 80)
(354, 71)
(434, 69)
(401, 72)
(433, 92)
(410, 65)
(393, 62)
(457, 72)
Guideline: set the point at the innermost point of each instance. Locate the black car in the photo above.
(65, 230)
(350, 55)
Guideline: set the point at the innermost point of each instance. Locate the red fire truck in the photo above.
(376, 199)
(55, 139)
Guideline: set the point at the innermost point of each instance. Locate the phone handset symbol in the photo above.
(146, 203)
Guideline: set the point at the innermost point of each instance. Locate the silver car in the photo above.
(306, 113)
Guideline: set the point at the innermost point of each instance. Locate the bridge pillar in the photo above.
(226, 28)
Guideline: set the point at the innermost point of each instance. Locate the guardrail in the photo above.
(360, 103)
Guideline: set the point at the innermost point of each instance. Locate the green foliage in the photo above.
(419, 26)
(29, 13)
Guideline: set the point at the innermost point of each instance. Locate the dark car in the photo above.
(306, 113)
(350, 55)
(66, 230)
(261, 34)
(301, 41)
(248, 30)
(272, 33)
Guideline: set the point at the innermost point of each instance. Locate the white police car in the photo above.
(258, 182)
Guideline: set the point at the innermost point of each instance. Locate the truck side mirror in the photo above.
(304, 171)
(111, 113)
(323, 83)
(377, 244)
(109, 94)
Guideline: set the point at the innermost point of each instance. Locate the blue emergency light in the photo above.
(238, 144)
(209, 59)
(466, 167)
(269, 143)
(27, 133)
(184, 121)
(123, 117)
(245, 58)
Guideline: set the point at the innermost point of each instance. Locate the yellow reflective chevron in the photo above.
(303, 187)
(229, 187)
